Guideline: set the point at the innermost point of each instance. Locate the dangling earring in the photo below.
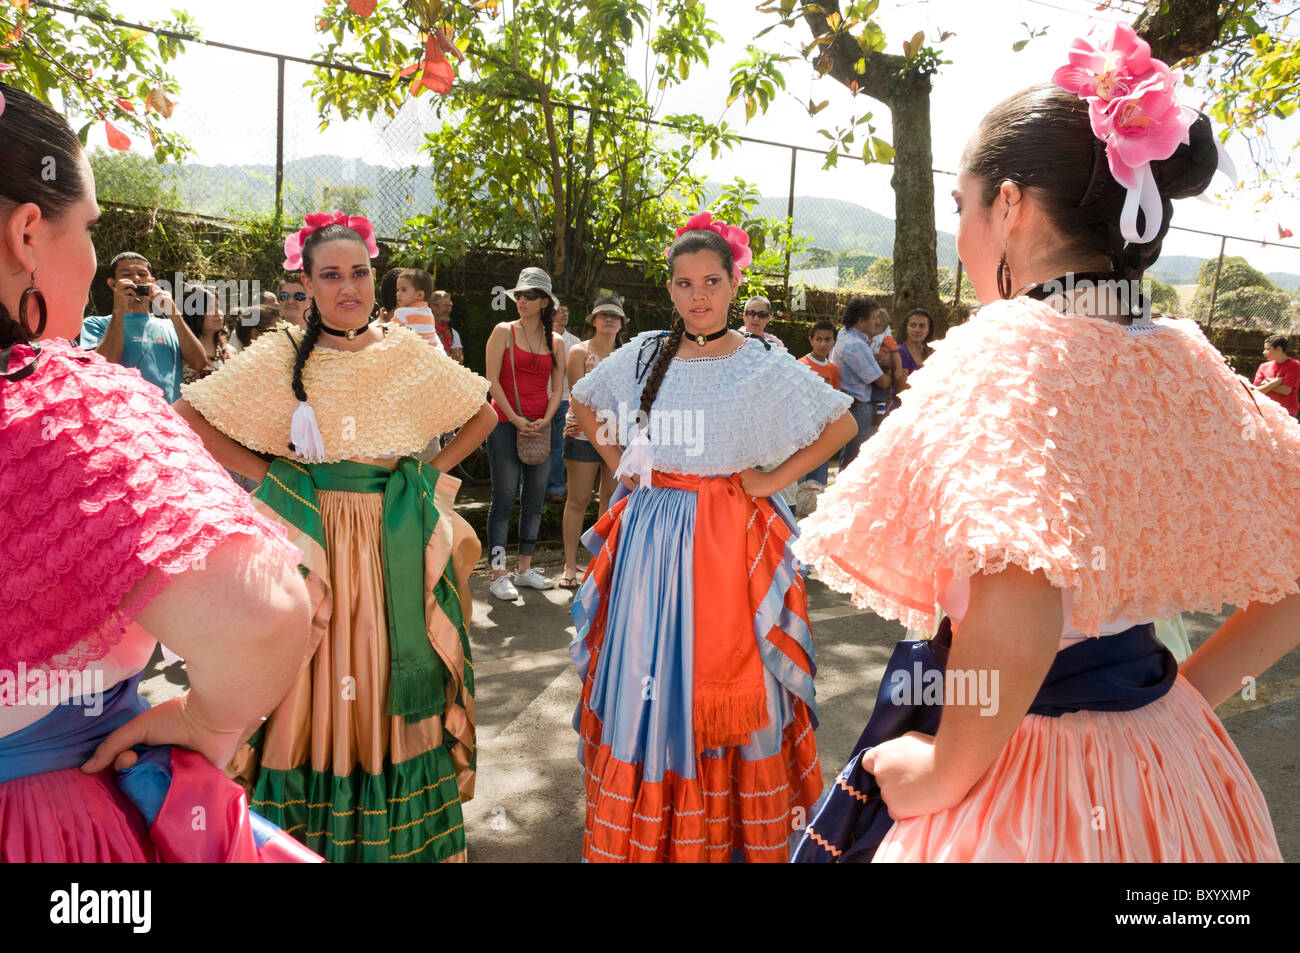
(32, 293)
(313, 313)
(1004, 274)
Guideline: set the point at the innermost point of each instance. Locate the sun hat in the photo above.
(533, 279)
(607, 303)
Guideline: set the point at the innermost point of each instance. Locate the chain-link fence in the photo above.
(260, 152)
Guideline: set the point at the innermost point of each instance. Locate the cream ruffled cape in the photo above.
(390, 399)
(1135, 469)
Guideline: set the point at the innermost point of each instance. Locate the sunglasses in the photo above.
(758, 314)
(531, 295)
(295, 295)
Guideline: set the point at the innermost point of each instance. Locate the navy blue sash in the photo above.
(1116, 673)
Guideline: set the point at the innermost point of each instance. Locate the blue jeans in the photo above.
(507, 470)
(555, 482)
(864, 412)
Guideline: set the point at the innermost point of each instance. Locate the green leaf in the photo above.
(871, 39)
(1019, 45)
(883, 150)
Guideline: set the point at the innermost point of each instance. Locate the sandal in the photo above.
(569, 582)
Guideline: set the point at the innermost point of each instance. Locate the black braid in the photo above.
(548, 322)
(666, 354)
(305, 347)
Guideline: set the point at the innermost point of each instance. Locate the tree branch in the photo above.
(841, 52)
(1181, 29)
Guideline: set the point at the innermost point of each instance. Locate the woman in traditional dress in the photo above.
(370, 755)
(1062, 472)
(693, 643)
(120, 531)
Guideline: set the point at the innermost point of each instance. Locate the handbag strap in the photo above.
(514, 374)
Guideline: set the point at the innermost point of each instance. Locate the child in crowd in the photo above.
(822, 339)
(413, 292)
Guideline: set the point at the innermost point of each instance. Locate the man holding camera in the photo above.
(134, 337)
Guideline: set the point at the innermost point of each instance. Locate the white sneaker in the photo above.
(533, 579)
(504, 589)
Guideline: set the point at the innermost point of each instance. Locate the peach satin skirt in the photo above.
(1158, 784)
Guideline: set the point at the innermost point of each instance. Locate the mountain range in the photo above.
(837, 225)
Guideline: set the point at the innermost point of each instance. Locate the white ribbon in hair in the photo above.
(305, 434)
(638, 458)
(1146, 196)
(1226, 166)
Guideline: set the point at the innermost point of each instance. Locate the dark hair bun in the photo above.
(1189, 170)
(1042, 138)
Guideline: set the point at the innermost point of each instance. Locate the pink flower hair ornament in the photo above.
(1133, 110)
(736, 238)
(318, 220)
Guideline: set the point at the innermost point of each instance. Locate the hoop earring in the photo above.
(313, 313)
(1004, 274)
(32, 293)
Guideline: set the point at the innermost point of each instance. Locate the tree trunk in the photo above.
(885, 79)
(916, 275)
(558, 265)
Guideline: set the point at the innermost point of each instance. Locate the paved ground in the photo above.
(529, 804)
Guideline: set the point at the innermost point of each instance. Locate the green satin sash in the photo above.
(417, 675)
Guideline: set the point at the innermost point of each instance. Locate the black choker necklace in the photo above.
(703, 339)
(350, 333)
(1129, 293)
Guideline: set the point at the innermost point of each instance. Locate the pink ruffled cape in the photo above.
(1135, 469)
(104, 492)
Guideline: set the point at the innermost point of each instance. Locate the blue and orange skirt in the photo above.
(655, 791)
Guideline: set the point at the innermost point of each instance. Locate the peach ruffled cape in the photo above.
(1130, 466)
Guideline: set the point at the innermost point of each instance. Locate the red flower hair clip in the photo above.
(318, 220)
(737, 239)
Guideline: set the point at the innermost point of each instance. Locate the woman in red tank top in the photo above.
(525, 368)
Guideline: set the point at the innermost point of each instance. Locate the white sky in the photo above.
(227, 102)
